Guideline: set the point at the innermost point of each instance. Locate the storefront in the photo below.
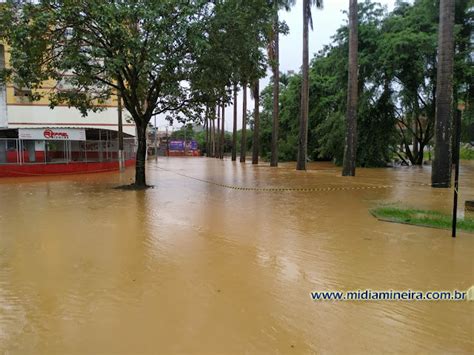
(39, 151)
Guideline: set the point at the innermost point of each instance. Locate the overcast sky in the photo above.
(325, 21)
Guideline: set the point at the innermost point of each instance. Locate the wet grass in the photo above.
(425, 218)
(467, 153)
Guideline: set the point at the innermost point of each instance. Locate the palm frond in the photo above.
(319, 4)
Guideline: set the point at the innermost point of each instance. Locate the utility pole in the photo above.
(120, 134)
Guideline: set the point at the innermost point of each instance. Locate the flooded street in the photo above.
(216, 260)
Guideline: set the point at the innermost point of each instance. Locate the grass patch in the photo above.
(423, 218)
(466, 153)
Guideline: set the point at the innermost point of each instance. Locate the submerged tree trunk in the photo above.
(256, 129)
(120, 135)
(303, 131)
(243, 143)
(415, 139)
(276, 93)
(222, 131)
(218, 135)
(234, 128)
(140, 179)
(207, 130)
(213, 135)
(441, 170)
(350, 148)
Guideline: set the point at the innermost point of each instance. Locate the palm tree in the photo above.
(274, 56)
(441, 170)
(350, 148)
(303, 132)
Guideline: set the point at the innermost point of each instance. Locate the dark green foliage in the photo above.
(397, 73)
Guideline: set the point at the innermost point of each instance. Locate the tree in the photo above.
(234, 56)
(350, 150)
(274, 57)
(303, 132)
(144, 51)
(441, 171)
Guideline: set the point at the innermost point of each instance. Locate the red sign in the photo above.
(50, 134)
(72, 134)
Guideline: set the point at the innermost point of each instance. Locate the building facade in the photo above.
(33, 134)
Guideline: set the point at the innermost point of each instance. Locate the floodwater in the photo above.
(195, 267)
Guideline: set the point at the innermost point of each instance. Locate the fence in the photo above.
(20, 151)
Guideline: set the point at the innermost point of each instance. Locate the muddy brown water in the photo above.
(194, 267)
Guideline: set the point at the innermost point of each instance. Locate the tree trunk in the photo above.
(350, 149)
(140, 180)
(213, 135)
(243, 143)
(303, 132)
(207, 131)
(234, 129)
(256, 129)
(120, 135)
(276, 93)
(218, 136)
(441, 170)
(416, 151)
(222, 131)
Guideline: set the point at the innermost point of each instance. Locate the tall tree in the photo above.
(256, 125)
(441, 170)
(144, 51)
(350, 149)
(274, 56)
(303, 131)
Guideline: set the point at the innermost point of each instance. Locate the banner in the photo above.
(53, 134)
(176, 146)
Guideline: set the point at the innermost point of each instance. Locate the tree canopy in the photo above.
(397, 85)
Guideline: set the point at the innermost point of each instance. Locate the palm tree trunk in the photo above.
(207, 130)
(243, 143)
(213, 134)
(234, 129)
(218, 135)
(222, 131)
(441, 170)
(303, 132)
(256, 129)
(276, 93)
(350, 149)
